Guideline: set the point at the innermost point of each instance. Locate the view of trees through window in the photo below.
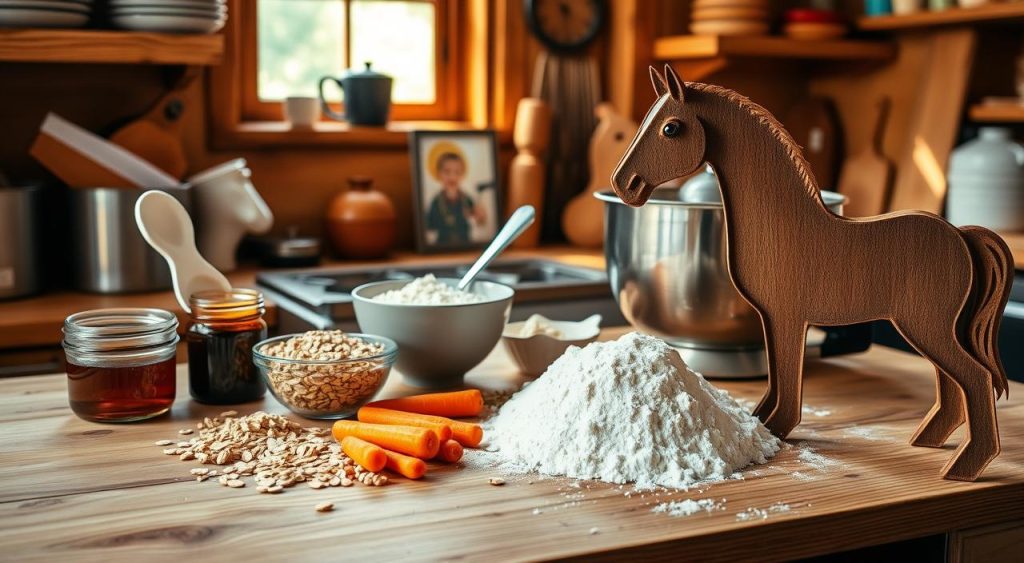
(301, 40)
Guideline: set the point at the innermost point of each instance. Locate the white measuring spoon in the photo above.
(517, 223)
(167, 227)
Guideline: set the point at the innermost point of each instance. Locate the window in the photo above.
(295, 42)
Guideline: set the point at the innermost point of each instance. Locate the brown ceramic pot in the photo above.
(361, 221)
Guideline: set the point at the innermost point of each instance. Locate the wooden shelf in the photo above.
(997, 113)
(988, 13)
(1016, 243)
(103, 46)
(696, 47)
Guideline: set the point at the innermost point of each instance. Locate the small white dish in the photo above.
(18, 17)
(168, 24)
(534, 353)
(200, 4)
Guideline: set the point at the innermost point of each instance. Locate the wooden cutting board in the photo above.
(921, 173)
(866, 176)
(156, 135)
(814, 124)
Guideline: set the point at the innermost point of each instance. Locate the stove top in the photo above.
(327, 292)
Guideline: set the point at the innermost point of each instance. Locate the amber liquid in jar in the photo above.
(224, 329)
(121, 394)
(120, 363)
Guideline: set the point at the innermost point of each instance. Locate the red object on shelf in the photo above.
(807, 15)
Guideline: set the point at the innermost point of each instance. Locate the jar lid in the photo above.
(107, 330)
(233, 305)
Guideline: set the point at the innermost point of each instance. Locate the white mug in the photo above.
(301, 111)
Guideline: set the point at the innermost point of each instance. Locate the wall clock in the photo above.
(565, 26)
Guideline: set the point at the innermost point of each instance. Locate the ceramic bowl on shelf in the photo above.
(325, 389)
(533, 351)
(438, 344)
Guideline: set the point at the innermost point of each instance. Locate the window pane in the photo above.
(299, 41)
(398, 37)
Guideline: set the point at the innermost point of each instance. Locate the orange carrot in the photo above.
(404, 465)
(454, 404)
(418, 442)
(371, 457)
(441, 426)
(465, 433)
(451, 451)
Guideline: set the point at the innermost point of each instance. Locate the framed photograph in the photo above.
(456, 193)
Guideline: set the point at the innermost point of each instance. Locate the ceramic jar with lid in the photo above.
(986, 182)
(361, 221)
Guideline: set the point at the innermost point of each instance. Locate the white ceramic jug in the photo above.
(986, 182)
(228, 208)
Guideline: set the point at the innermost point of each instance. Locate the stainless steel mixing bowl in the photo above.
(667, 267)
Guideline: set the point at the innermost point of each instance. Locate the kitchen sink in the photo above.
(321, 298)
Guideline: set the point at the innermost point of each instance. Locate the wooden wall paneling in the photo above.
(999, 543)
(942, 86)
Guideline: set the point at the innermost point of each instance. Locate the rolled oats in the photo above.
(324, 388)
(281, 453)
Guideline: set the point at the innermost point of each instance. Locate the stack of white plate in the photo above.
(44, 13)
(169, 16)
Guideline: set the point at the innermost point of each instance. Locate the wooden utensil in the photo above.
(526, 174)
(867, 175)
(156, 135)
(798, 264)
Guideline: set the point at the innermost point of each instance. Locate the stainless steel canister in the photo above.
(20, 246)
(109, 254)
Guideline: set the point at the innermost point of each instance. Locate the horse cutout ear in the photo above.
(658, 81)
(675, 85)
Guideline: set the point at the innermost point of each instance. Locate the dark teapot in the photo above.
(367, 97)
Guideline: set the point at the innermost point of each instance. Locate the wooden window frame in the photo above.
(490, 55)
(447, 100)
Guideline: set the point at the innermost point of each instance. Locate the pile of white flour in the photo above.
(427, 291)
(627, 411)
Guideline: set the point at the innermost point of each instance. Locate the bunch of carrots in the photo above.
(401, 434)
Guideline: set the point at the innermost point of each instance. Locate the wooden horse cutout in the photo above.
(798, 264)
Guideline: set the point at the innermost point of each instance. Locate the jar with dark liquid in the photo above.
(120, 363)
(224, 328)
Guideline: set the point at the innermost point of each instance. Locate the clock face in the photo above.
(565, 25)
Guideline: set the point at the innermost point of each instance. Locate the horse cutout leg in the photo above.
(981, 443)
(785, 346)
(946, 415)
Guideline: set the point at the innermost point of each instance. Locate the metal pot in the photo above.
(668, 270)
(20, 246)
(109, 254)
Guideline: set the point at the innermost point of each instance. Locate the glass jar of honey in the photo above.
(225, 326)
(120, 363)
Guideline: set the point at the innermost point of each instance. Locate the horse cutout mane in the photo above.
(943, 288)
(765, 118)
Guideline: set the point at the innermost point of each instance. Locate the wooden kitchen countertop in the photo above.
(84, 491)
(36, 321)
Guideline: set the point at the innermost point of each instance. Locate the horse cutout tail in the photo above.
(993, 277)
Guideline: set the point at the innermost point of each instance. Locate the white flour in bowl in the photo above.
(627, 411)
(427, 291)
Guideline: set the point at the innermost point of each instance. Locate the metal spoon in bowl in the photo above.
(167, 227)
(517, 223)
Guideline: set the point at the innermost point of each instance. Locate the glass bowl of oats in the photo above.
(325, 374)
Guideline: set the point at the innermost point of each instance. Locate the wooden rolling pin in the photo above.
(526, 175)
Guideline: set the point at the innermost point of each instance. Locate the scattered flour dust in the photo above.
(689, 507)
(761, 513)
(427, 291)
(627, 411)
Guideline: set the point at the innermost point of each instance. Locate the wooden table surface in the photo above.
(84, 491)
